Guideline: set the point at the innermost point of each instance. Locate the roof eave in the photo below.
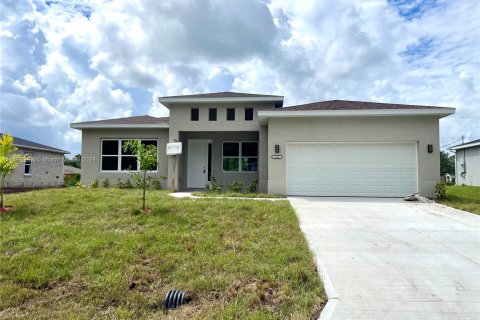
(41, 149)
(466, 146)
(167, 101)
(80, 126)
(263, 116)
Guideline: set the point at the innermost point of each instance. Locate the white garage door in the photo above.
(352, 169)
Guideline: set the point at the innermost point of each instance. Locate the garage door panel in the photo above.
(352, 169)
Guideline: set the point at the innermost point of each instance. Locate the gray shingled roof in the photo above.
(460, 146)
(128, 120)
(350, 105)
(19, 142)
(225, 94)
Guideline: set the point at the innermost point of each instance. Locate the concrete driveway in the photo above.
(391, 259)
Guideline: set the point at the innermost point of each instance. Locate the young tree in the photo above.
(9, 161)
(146, 155)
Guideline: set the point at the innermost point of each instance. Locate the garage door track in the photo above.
(390, 259)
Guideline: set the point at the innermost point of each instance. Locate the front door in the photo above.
(197, 171)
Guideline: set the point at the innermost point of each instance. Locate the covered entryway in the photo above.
(352, 169)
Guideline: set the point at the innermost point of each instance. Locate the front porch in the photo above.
(227, 156)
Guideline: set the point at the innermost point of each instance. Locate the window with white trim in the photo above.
(114, 158)
(28, 166)
(240, 156)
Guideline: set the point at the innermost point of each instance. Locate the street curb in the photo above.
(333, 298)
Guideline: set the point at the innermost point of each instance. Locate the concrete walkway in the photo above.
(391, 259)
(190, 195)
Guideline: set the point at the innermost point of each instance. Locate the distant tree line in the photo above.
(447, 163)
(76, 161)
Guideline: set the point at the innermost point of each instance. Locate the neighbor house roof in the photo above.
(467, 145)
(27, 144)
(346, 108)
(71, 170)
(127, 122)
(219, 97)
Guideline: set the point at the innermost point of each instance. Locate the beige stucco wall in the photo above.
(421, 129)
(91, 148)
(47, 170)
(180, 122)
(472, 165)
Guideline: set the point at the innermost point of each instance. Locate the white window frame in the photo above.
(119, 155)
(30, 171)
(239, 156)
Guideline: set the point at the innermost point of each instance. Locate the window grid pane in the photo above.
(128, 163)
(109, 163)
(250, 149)
(109, 147)
(231, 149)
(250, 164)
(231, 164)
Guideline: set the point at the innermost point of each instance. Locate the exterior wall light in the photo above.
(430, 148)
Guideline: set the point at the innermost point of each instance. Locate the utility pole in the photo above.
(463, 138)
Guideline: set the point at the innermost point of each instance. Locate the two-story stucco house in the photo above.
(44, 167)
(329, 148)
(467, 163)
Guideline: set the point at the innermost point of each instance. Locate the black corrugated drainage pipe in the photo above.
(175, 299)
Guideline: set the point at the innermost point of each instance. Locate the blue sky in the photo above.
(68, 61)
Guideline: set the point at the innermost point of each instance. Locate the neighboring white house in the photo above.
(467, 163)
(44, 168)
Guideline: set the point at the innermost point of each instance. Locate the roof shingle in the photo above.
(19, 142)
(225, 94)
(128, 120)
(350, 105)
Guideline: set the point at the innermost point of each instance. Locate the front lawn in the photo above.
(464, 198)
(81, 253)
(237, 195)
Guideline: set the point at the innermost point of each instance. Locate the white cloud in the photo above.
(28, 84)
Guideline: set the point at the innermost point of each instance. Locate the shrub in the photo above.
(213, 186)
(106, 183)
(252, 187)
(94, 184)
(154, 183)
(440, 191)
(128, 184)
(71, 181)
(235, 186)
(124, 185)
(136, 179)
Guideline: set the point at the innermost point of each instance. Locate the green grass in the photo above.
(82, 253)
(464, 198)
(237, 195)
